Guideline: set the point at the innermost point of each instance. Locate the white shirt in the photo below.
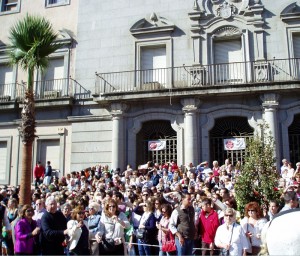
(238, 240)
(257, 229)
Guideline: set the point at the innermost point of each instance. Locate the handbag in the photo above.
(140, 233)
(109, 243)
(169, 244)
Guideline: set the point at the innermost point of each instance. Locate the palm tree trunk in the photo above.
(27, 132)
(25, 187)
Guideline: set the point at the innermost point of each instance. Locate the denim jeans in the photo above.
(143, 249)
(186, 249)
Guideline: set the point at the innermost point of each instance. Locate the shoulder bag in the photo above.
(169, 244)
(108, 243)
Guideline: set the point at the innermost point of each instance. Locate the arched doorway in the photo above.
(156, 130)
(225, 128)
(294, 140)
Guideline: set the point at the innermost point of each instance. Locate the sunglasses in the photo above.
(228, 215)
(80, 213)
(251, 210)
(111, 206)
(145, 194)
(29, 210)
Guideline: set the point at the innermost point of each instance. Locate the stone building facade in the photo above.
(135, 75)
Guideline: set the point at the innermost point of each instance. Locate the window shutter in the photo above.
(3, 161)
(296, 45)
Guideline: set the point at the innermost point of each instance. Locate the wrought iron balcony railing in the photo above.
(268, 71)
(45, 90)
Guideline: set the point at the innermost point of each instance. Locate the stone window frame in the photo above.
(8, 140)
(167, 42)
(3, 4)
(50, 4)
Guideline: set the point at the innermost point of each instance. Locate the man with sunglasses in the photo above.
(230, 236)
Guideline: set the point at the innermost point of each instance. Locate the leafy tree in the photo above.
(258, 178)
(32, 40)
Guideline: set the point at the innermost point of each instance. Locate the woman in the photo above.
(252, 224)
(93, 221)
(111, 234)
(26, 233)
(12, 214)
(157, 211)
(147, 223)
(78, 233)
(230, 236)
(163, 226)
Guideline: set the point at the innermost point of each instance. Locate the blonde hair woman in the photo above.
(111, 234)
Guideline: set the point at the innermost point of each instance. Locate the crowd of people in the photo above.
(158, 209)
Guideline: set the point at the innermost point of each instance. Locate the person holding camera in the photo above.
(230, 236)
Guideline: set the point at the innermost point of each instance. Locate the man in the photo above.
(183, 227)
(273, 210)
(53, 229)
(39, 211)
(290, 200)
(284, 165)
(48, 174)
(208, 225)
(155, 177)
(38, 174)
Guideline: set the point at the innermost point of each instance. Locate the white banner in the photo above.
(156, 145)
(234, 144)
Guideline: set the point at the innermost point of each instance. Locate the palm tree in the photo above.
(32, 40)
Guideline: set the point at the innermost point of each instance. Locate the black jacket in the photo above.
(52, 233)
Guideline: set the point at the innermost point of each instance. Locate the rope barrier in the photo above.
(153, 245)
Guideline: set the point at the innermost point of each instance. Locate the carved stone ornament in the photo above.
(226, 10)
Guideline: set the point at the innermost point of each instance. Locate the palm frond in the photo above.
(32, 40)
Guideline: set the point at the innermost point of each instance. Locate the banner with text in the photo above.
(234, 144)
(156, 145)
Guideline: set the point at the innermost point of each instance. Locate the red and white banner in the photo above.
(234, 144)
(156, 145)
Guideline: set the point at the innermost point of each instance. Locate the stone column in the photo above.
(270, 105)
(190, 107)
(118, 135)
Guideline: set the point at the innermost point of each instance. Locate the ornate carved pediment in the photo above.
(227, 32)
(291, 12)
(206, 10)
(153, 24)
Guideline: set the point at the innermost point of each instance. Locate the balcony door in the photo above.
(296, 61)
(228, 60)
(52, 84)
(153, 66)
(6, 80)
(49, 151)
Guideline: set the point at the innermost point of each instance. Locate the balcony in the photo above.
(202, 79)
(57, 91)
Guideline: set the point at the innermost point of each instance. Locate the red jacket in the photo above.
(208, 226)
(38, 171)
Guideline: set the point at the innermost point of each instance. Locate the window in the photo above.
(9, 6)
(53, 3)
(7, 85)
(5, 159)
(228, 54)
(153, 64)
